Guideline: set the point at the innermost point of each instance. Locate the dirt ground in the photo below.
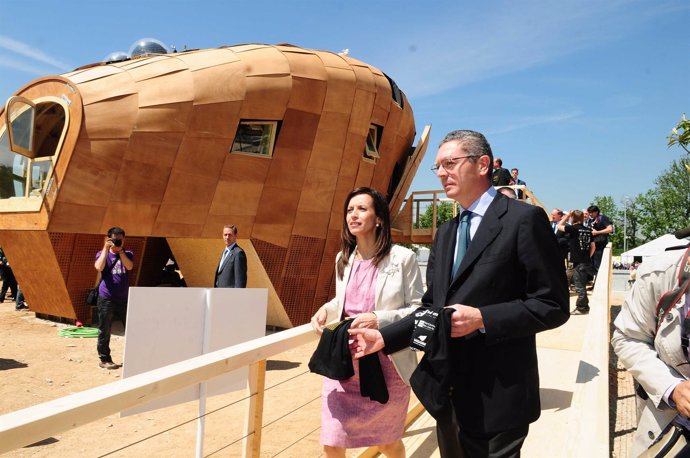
(37, 365)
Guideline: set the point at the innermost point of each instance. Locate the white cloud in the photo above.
(21, 66)
(35, 55)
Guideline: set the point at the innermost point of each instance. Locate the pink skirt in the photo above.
(349, 420)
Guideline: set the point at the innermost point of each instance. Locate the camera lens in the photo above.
(117, 242)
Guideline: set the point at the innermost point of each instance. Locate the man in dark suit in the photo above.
(232, 268)
(508, 285)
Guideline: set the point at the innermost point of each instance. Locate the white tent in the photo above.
(653, 247)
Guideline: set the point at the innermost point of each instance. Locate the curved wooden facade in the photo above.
(147, 145)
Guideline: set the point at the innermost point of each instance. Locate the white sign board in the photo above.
(169, 325)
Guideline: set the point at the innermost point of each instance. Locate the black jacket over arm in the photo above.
(513, 272)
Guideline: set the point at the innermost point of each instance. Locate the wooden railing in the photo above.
(406, 225)
(33, 424)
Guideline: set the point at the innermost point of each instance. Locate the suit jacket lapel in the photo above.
(444, 253)
(227, 259)
(487, 231)
(381, 278)
(340, 292)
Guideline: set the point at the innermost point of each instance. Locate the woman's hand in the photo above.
(365, 320)
(319, 320)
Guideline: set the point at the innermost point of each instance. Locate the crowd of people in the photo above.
(582, 236)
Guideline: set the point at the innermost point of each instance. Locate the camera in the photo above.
(116, 242)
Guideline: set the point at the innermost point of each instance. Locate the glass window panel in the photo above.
(255, 138)
(371, 151)
(22, 125)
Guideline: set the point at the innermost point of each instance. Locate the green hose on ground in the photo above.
(79, 333)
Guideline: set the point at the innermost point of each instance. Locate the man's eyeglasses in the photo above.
(449, 163)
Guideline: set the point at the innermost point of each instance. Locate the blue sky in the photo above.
(578, 94)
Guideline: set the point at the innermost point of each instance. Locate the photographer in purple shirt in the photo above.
(113, 262)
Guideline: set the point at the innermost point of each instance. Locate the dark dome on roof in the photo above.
(147, 46)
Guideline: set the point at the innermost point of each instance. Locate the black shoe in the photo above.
(22, 306)
(580, 311)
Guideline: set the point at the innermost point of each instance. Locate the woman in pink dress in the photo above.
(377, 283)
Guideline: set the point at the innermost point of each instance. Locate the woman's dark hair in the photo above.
(383, 232)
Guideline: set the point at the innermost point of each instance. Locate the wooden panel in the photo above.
(344, 186)
(177, 229)
(138, 218)
(170, 213)
(311, 224)
(137, 184)
(307, 95)
(334, 60)
(23, 221)
(236, 198)
(196, 61)
(305, 65)
(298, 130)
(246, 47)
(69, 217)
(166, 89)
(202, 156)
(352, 155)
(117, 85)
(411, 167)
(277, 206)
(214, 224)
(288, 168)
(277, 234)
(364, 175)
(365, 79)
(383, 101)
(153, 68)
(221, 83)
(38, 272)
(164, 118)
(265, 61)
(266, 97)
(153, 148)
(187, 188)
(140, 61)
(340, 94)
(329, 141)
(93, 172)
(110, 119)
(361, 112)
(218, 120)
(317, 191)
(240, 168)
(89, 74)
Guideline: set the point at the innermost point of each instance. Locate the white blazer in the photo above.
(398, 293)
(654, 358)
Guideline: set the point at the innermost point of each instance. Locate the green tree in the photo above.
(630, 224)
(666, 208)
(444, 213)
